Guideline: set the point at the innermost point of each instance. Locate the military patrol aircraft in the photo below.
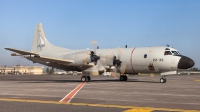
(121, 61)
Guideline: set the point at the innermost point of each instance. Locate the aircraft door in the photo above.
(140, 60)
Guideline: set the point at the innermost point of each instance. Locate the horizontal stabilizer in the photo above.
(21, 51)
(39, 58)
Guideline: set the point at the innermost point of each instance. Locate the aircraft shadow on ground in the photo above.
(93, 81)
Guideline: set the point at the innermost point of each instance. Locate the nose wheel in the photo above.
(163, 79)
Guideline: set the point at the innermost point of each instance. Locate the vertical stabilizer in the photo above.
(40, 42)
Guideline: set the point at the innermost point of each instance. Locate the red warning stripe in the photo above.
(69, 96)
(132, 60)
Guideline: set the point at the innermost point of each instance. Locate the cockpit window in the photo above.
(175, 53)
(168, 53)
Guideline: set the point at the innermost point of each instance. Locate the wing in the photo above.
(49, 61)
(58, 63)
(54, 65)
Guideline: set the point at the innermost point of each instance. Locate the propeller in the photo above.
(113, 72)
(96, 60)
(114, 61)
(98, 67)
(93, 55)
(119, 66)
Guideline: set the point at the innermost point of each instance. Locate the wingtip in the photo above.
(6, 48)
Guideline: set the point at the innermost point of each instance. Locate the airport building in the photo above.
(35, 70)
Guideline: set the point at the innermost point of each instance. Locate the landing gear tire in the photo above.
(123, 78)
(163, 80)
(89, 79)
(84, 79)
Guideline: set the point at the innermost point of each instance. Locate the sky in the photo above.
(74, 24)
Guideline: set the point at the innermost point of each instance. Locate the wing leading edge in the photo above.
(21, 51)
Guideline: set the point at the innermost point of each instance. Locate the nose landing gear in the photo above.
(163, 79)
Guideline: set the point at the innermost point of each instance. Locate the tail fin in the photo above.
(40, 42)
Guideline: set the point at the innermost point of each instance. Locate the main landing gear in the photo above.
(163, 79)
(123, 78)
(85, 78)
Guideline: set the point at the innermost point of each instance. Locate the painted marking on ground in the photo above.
(197, 80)
(70, 95)
(139, 110)
(130, 108)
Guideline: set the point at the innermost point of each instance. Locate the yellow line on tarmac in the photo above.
(139, 110)
(30, 101)
(197, 80)
(131, 108)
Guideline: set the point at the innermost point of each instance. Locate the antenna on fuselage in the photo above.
(167, 45)
(125, 46)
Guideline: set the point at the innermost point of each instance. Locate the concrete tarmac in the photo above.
(42, 93)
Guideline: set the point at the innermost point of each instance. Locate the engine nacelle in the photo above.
(82, 59)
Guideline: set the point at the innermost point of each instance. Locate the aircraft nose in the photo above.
(185, 63)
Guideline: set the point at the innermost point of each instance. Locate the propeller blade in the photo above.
(93, 54)
(120, 52)
(106, 60)
(152, 75)
(94, 46)
(113, 73)
(96, 68)
(123, 68)
(95, 72)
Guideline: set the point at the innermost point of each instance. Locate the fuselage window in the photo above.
(168, 53)
(175, 52)
(145, 56)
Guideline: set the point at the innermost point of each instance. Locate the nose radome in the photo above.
(185, 63)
